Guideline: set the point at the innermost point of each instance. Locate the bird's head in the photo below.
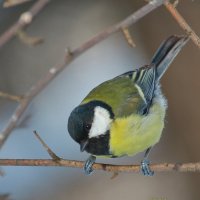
(89, 125)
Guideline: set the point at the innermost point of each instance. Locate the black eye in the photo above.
(87, 127)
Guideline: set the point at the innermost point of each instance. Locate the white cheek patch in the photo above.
(101, 122)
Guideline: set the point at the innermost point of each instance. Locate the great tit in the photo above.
(125, 115)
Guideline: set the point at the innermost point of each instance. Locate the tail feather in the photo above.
(166, 53)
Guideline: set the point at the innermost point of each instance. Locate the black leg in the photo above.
(146, 154)
(145, 169)
(88, 165)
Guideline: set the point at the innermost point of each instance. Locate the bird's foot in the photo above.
(145, 169)
(88, 165)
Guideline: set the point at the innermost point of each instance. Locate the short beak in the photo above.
(83, 145)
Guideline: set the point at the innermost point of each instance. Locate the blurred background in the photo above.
(68, 23)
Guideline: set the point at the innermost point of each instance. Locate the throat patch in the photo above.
(99, 145)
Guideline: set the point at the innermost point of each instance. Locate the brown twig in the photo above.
(29, 40)
(10, 3)
(183, 24)
(163, 167)
(28, 97)
(50, 152)
(10, 96)
(23, 21)
(128, 37)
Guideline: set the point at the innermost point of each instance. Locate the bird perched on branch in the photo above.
(125, 115)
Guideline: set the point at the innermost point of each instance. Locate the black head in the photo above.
(86, 126)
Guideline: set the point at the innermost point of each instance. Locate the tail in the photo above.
(166, 53)
(148, 76)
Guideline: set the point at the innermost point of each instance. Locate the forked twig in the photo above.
(25, 19)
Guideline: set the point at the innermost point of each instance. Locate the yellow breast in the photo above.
(136, 133)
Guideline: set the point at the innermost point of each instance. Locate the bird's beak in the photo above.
(83, 145)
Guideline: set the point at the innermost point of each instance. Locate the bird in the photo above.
(125, 115)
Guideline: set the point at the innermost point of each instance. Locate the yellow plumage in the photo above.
(135, 133)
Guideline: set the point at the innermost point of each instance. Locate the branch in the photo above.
(25, 19)
(53, 72)
(163, 167)
(59, 162)
(183, 24)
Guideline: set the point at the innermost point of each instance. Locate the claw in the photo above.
(145, 169)
(88, 165)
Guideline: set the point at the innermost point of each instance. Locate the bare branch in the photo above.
(163, 167)
(53, 72)
(183, 24)
(23, 21)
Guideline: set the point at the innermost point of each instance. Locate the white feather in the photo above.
(101, 122)
(159, 98)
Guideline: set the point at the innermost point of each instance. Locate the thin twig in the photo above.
(50, 152)
(29, 40)
(183, 24)
(10, 96)
(25, 19)
(10, 3)
(53, 72)
(163, 167)
(128, 37)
